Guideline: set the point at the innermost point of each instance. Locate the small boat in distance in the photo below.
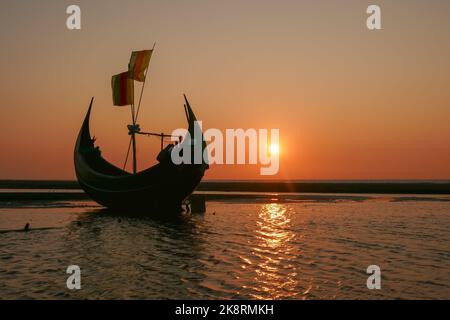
(162, 186)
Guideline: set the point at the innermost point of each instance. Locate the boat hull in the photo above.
(150, 198)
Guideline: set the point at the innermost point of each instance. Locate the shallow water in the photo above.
(276, 249)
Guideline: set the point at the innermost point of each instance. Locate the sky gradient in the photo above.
(350, 103)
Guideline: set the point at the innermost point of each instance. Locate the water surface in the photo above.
(265, 249)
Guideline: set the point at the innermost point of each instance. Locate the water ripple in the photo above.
(255, 250)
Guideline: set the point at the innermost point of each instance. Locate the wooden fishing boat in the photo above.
(162, 186)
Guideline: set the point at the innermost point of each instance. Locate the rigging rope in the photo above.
(140, 98)
(128, 153)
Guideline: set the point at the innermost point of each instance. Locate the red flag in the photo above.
(123, 89)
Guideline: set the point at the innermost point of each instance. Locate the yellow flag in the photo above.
(138, 64)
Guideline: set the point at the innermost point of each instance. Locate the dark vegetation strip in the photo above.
(309, 187)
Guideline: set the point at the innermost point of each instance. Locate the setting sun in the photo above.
(274, 149)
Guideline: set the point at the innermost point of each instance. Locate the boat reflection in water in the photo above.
(273, 254)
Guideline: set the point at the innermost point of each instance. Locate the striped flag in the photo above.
(123, 90)
(138, 64)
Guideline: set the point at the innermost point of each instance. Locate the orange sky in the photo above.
(350, 103)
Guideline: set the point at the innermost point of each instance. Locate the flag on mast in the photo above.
(123, 89)
(138, 64)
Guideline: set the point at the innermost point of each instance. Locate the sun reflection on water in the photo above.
(272, 253)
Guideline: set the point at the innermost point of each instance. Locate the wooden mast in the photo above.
(143, 85)
(134, 116)
(133, 138)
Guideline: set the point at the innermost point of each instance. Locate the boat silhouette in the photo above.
(162, 186)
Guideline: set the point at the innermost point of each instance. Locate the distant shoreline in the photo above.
(349, 187)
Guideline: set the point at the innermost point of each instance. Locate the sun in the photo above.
(274, 149)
